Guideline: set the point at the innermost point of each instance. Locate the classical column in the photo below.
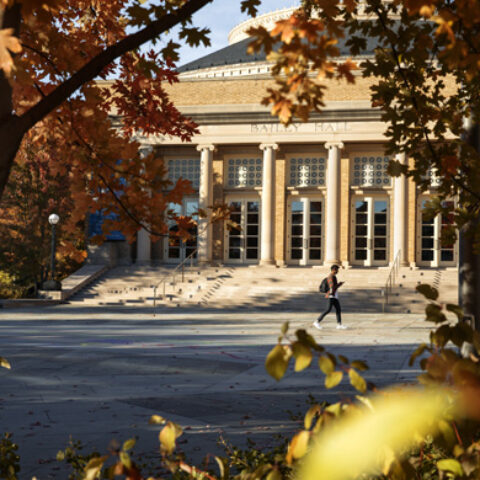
(332, 218)
(400, 237)
(205, 195)
(268, 204)
(143, 246)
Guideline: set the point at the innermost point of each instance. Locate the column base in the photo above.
(266, 263)
(329, 263)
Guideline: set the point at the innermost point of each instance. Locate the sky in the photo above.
(220, 17)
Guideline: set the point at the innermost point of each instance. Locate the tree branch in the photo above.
(415, 104)
(95, 66)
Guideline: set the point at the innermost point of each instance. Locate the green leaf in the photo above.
(427, 291)
(457, 310)
(129, 444)
(250, 6)
(357, 381)
(5, 363)
(156, 419)
(93, 468)
(434, 313)
(326, 365)
(222, 466)
(359, 365)
(343, 359)
(168, 435)
(274, 475)
(441, 336)
(303, 356)
(277, 361)
(418, 351)
(310, 415)
(451, 465)
(285, 328)
(333, 379)
(125, 459)
(299, 445)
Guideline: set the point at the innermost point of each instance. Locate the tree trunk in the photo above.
(469, 259)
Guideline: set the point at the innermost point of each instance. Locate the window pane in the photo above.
(361, 218)
(252, 230)
(252, 218)
(297, 254)
(315, 230)
(316, 218)
(379, 254)
(297, 230)
(427, 243)
(315, 242)
(380, 231)
(252, 242)
(427, 255)
(446, 255)
(315, 254)
(234, 253)
(316, 207)
(297, 242)
(361, 242)
(234, 242)
(427, 231)
(361, 230)
(252, 253)
(297, 218)
(360, 254)
(380, 243)
(361, 206)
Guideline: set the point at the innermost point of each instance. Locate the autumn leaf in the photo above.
(8, 43)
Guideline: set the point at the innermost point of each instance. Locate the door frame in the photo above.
(306, 199)
(437, 224)
(370, 197)
(182, 245)
(243, 198)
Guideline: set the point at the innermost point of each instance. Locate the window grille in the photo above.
(244, 173)
(307, 172)
(189, 169)
(371, 171)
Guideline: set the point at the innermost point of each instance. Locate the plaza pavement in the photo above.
(98, 374)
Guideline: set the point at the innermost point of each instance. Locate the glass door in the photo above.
(305, 231)
(431, 251)
(242, 242)
(370, 219)
(176, 248)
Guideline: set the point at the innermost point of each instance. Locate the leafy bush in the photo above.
(428, 431)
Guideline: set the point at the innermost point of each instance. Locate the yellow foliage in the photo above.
(363, 442)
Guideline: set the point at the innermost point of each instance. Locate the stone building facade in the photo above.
(309, 194)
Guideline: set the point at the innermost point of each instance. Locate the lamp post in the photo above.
(52, 284)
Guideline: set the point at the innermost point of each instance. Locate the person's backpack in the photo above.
(324, 287)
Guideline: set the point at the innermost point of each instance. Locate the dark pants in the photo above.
(332, 302)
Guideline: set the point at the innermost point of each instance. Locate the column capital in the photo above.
(202, 147)
(265, 146)
(335, 144)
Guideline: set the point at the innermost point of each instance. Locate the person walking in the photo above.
(332, 296)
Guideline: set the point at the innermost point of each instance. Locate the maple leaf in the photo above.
(8, 43)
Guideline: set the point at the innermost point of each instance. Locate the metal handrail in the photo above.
(392, 276)
(172, 275)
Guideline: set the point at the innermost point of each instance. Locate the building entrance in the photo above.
(176, 249)
(370, 221)
(305, 230)
(242, 243)
(431, 252)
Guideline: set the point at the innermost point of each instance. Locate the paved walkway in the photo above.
(98, 374)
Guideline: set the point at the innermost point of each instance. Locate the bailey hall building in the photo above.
(314, 193)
